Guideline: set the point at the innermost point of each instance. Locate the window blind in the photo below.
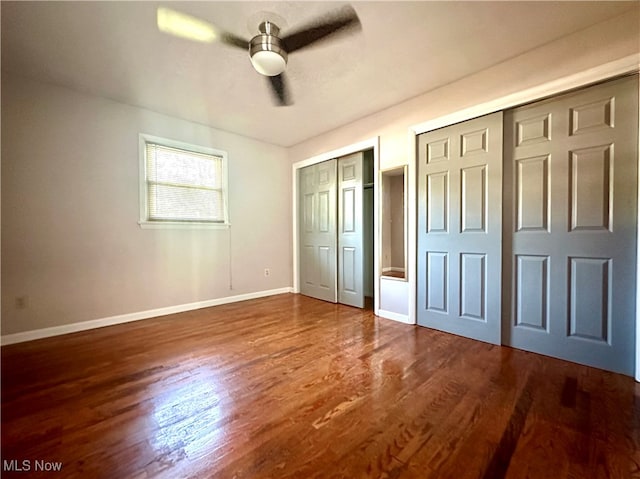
(184, 185)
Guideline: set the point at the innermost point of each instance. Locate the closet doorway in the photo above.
(336, 232)
(570, 222)
(460, 228)
(550, 267)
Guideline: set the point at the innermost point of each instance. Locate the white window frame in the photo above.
(144, 221)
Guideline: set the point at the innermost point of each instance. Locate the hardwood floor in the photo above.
(291, 387)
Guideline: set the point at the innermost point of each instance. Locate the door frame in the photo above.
(368, 144)
(626, 65)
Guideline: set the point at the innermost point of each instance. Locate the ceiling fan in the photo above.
(267, 50)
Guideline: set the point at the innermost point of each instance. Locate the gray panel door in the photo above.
(317, 219)
(460, 228)
(570, 226)
(350, 231)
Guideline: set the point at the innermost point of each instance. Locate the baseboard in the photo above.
(126, 318)
(393, 269)
(402, 318)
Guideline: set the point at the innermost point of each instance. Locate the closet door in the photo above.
(570, 226)
(350, 231)
(460, 228)
(317, 200)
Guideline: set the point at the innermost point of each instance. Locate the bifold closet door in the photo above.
(317, 238)
(460, 228)
(350, 231)
(570, 226)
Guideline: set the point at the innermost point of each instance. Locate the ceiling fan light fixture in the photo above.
(268, 63)
(267, 51)
(267, 55)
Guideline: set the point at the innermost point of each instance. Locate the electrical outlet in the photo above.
(21, 302)
(267, 272)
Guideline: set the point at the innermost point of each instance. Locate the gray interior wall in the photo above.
(368, 239)
(368, 242)
(71, 244)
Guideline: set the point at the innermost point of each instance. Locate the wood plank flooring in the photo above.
(292, 387)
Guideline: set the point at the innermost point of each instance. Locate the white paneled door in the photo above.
(317, 213)
(331, 230)
(570, 226)
(460, 228)
(350, 231)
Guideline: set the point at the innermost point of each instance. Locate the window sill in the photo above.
(183, 225)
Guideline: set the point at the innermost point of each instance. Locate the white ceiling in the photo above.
(113, 49)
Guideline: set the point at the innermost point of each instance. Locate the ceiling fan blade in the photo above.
(340, 21)
(234, 41)
(185, 26)
(280, 90)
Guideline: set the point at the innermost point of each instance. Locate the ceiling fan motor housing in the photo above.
(266, 51)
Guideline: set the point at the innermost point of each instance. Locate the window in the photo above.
(181, 184)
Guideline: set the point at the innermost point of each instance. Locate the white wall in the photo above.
(608, 41)
(71, 243)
